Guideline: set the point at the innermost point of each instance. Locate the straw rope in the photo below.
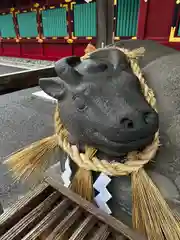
(134, 160)
(150, 212)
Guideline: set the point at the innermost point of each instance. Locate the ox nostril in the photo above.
(126, 123)
(149, 117)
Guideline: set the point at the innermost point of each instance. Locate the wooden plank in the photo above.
(102, 233)
(31, 218)
(23, 206)
(117, 225)
(47, 221)
(84, 228)
(66, 223)
(120, 237)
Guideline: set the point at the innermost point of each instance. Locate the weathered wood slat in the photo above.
(84, 228)
(66, 223)
(31, 218)
(102, 233)
(48, 220)
(23, 206)
(53, 212)
(115, 224)
(120, 237)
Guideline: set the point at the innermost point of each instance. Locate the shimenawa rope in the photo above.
(151, 214)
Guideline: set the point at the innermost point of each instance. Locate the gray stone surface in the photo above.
(25, 62)
(8, 69)
(23, 120)
(163, 75)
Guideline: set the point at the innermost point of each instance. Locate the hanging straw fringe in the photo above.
(28, 162)
(150, 211)
(82, 184)
(151, 214)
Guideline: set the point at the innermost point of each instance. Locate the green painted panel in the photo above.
(127, 18)
(27, 24)
(178, 33)
(7, 26)
(85, 20)
(54, 22)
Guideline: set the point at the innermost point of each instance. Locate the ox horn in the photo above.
(65, 69)
(110, 54)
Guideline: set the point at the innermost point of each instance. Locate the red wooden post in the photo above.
(142, 17)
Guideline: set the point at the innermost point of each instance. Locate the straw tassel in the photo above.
(151, 213)
(82, 184)
(33, 160)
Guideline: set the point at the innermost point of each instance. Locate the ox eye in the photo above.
(80, 103)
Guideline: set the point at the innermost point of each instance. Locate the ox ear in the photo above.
(111, 54)
(54, 87)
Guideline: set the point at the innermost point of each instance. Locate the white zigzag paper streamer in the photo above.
(66, 175)
(100, 185)
(104, 196)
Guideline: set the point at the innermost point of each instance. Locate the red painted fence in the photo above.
(43, 51)
(154, 22)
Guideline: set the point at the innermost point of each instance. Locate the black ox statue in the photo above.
(102, 105)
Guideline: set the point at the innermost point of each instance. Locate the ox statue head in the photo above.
(101, 103)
